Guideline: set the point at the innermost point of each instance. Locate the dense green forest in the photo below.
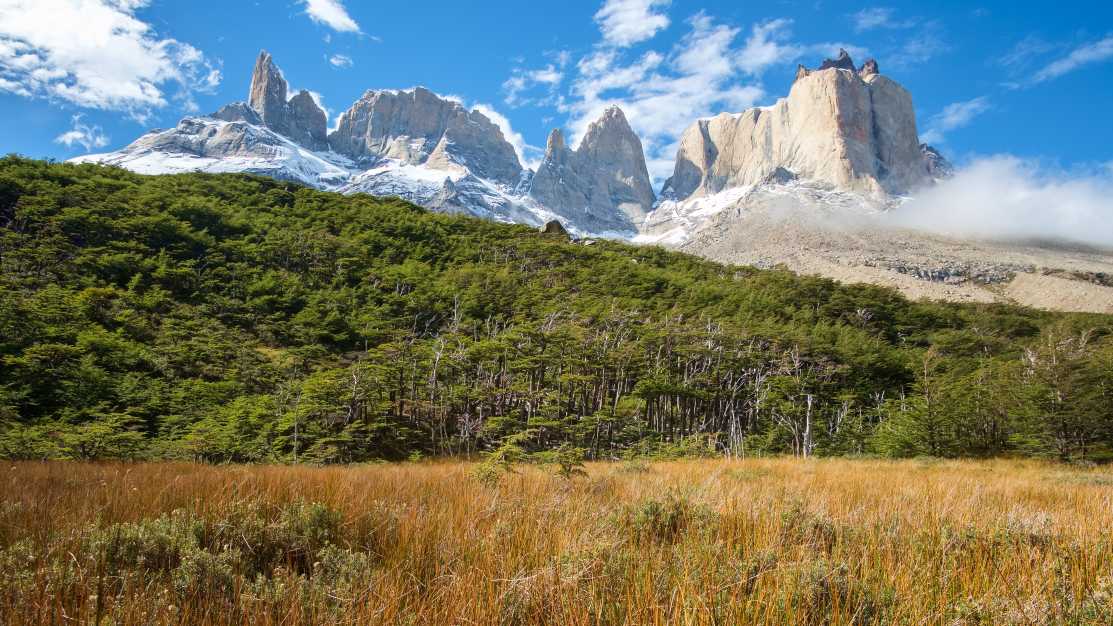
(234, 318)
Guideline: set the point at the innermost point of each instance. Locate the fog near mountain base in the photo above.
(1007, 198)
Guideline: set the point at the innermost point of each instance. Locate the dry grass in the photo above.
(701, 542)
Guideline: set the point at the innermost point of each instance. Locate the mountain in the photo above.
(414, 144)
(811, 183)
(846, 132)
(603, 182)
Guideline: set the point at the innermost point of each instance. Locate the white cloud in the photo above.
(662, 95)
(765, 46)
(878, 17)
(87, 136)
(331, 13)
(523, 80)
(627, 22)
(953, 116)
(769, 44)
(1024, 52)
(1091, 53)
(97, 54)
(1003, 197)
(341, 60)
(663, 91)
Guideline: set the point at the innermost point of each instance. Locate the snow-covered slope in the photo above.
(204, 144)
(207, 144)
(674, 222)
(413, 144)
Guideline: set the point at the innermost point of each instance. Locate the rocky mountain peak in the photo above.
(842, 62)
(555, 144)
(604, 181)
(418, 127)
(869, 68)
(300, 118)
(854, 130)
(268, 90)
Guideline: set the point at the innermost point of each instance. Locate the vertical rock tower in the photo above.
(298, 118)
(848, 127)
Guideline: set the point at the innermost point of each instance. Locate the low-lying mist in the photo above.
(1006, 198)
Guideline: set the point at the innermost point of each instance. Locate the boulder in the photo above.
(554, 227)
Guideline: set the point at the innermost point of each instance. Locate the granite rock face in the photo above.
(852, 129)
(418, 127)
(238, 112)
(604, 182)
(299, 119)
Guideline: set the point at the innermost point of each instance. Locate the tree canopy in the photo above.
(234, 318)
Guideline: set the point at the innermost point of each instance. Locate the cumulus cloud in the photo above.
(953, 116)
(1006, 198)
(715, 67)
(97, 54)
(627, 22)
(662, 94)
(89, 137)
(341, 60)
(766, 46)
(1091, 53)
(332, 14)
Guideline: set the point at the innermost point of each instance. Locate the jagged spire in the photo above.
(300, 119)
(842, 62)
(268, 89)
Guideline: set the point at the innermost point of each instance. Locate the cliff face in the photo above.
(419, 127)
(853, 129)
(604, 181)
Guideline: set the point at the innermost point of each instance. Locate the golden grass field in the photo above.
(767, 541)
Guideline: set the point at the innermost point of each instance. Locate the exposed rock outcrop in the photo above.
(238, 112)
(938, 166)
(554, 227)
(419, 127)
(849, 128)
(841, 62)
(603, 182)
(300, 119)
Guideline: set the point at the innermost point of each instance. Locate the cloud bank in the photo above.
(1006, 198)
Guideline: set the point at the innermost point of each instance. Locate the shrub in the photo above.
(665, 521)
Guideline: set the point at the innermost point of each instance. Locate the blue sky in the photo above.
(988, 78)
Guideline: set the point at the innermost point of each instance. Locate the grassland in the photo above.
(770, 541)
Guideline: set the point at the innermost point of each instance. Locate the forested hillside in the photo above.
(236, 318)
